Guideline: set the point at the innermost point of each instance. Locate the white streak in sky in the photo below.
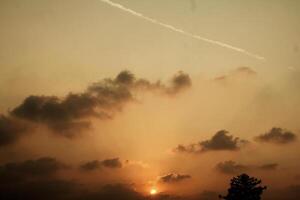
(170, 27)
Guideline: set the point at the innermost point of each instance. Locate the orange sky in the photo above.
(114, 99)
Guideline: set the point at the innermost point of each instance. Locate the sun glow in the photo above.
(153, 191)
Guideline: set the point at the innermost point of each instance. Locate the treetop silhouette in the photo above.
(244, 187)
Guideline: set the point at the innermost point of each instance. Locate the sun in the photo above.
(153, 191)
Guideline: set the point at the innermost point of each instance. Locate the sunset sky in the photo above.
(99, 103)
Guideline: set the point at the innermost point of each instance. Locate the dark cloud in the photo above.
(91, 165)
(191, 148)
(220, 141)
(70, 115)
(174, 178)
(232, 168)
(291, 192)
(240, 72)
(113, 192)
(11, 129)
(122, 87)
(271, 166)
(126, 192)
(70, 190)
(70, 129)
(52, 109)
(35, 180)
(39, 189)
(204, 195)
(113, 163)
(207, 195)
(277, 136)
(125, 77)
(58, 189)
(63, 116)
(163, 196)
(29, 169)
(179, 82)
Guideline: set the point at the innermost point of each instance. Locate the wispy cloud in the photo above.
(183, 32)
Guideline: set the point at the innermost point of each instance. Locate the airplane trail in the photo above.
(178, 30)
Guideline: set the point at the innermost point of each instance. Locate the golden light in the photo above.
(153, 191)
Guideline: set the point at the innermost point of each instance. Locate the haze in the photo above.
(105, 105)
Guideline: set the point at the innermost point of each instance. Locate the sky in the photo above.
(104, 104)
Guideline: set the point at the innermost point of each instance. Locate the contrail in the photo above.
(170, 27)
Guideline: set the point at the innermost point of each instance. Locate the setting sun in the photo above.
(153, 191)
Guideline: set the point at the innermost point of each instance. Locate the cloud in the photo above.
(183, 32)
(70, 190)
(135, 163)
(191, 148)
(271, 166)
(245, 70)
(70, 129)
(11, 129)
(237, 74)
(204, 195)
(207, 195)
(39, 189)
(220, 141)
(113, 192)
(70, 115)
(232, 168)
(174, 178)
(291, 192)
(277, 136)
(50, 189)
(163, 196)
(179, 82)
(29, 169)
(113, 163)
(52, 109)
(91, 165)
(126, 83)
(125, 77)
(38, 179)
(64, 116)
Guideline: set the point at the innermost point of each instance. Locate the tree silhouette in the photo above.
(244, 187)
